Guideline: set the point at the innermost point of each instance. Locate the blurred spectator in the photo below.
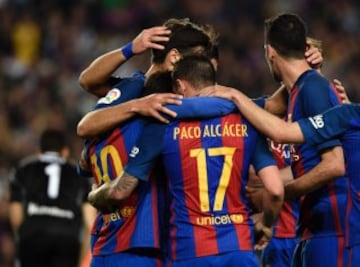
(45, 44)
(26, 38)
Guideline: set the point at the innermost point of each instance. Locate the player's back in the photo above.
(52, 193)
(207, 165)
(351, 145)
(136, 221)
(322, 212)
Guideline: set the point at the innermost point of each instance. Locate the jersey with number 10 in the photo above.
(207, 165)
(135, 223)
(322, 212)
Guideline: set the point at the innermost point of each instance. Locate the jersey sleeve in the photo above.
(318, 91)
(260, 101)
(332, 123)
(262, 157)
(202, 107)
(124, 90)
(146, 151)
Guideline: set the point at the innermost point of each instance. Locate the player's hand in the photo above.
(99, 198)
(263, 234)
(150, 38)
(314, 55)
(153, 105)
(218, 91)
(84, 163)
(94, 187)
(341, 91)
(261, 243)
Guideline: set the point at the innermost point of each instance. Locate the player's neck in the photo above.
(292, 70)
(153, 69)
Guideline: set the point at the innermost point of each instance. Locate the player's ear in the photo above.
(65, 153)
(180, 87)
(270, 51)
(171, 58)
(174, 56)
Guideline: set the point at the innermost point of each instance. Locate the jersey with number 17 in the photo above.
(207, 165)
(139, 219)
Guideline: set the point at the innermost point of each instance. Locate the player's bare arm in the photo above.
(270, 125)
(105, 119)
(94, 78)
(272, 201)
(254, 190)
(99, 197)
(332, 165)
(273, 194)
(277, 103)
(16, 215)
(111, 194)
(123, 187)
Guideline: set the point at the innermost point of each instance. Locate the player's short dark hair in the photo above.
(159, 82)
(214, 36)
(52, 140)
(286, 33)
(186, 37)
(195, 69)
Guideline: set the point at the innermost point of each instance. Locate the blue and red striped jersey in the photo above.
(285, 226)
(322, 212)
(206, 163)
(344, 122)
(136, 222)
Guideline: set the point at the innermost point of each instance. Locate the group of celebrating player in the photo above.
(183, 169)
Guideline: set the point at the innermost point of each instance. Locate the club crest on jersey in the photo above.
(317, 121)
(110, 97)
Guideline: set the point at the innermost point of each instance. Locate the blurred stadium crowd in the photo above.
(44, 45)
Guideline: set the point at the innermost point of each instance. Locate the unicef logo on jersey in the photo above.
(134, 151)
(317, 121)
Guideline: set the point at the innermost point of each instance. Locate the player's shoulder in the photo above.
(313, 80)
(137, 77)
(28, 161)
(71, 163)
(123, 90)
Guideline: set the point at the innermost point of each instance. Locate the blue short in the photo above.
(230, 259)
(325, 251)
(279, 252)
(125, 259)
